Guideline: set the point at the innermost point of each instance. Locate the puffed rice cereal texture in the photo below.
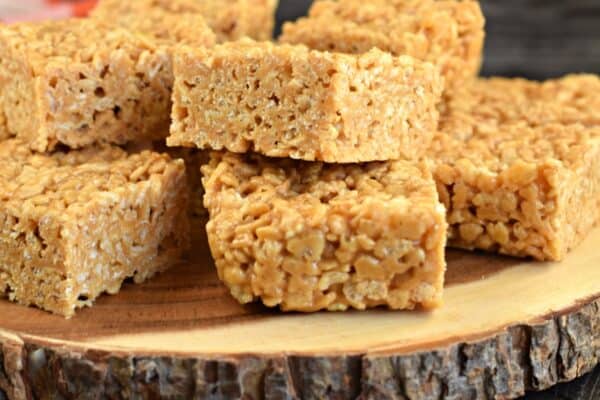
(74, 225)
(289, 101)
(311, 236)
(81, 82)
(229, 19)
(518, 164)
(162, 24)
(447, 33)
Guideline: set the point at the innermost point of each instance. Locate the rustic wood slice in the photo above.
(507, 327)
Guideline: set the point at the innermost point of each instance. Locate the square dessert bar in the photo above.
(229, 19)
(79, 82)
(518, 165)
(74, 225)
(165, 27)
(311, 236)
(235, 19)
(289, 101)
(449, 34)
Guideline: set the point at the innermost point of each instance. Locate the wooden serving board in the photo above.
(507, 327)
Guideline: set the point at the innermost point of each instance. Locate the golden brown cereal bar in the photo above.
(234, 19)
(447, 33)
(229, 19)
(288, 101)
(518, 164)
(162, 25)
(311, 236)
(74, 225)
(79, 82)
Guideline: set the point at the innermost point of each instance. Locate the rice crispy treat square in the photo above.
(229, 19)
(81, 82)
(74, 225)
(311, 236)
(449, 34)
(518, 165)
(289, 101)
(162, 24)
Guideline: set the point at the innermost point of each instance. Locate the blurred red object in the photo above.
(35, 10)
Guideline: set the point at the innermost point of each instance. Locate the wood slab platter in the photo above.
(508, 326)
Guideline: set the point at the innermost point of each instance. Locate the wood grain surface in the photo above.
(507, 327)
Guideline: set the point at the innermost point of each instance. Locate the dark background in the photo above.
(532, 38)
(535, 39)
